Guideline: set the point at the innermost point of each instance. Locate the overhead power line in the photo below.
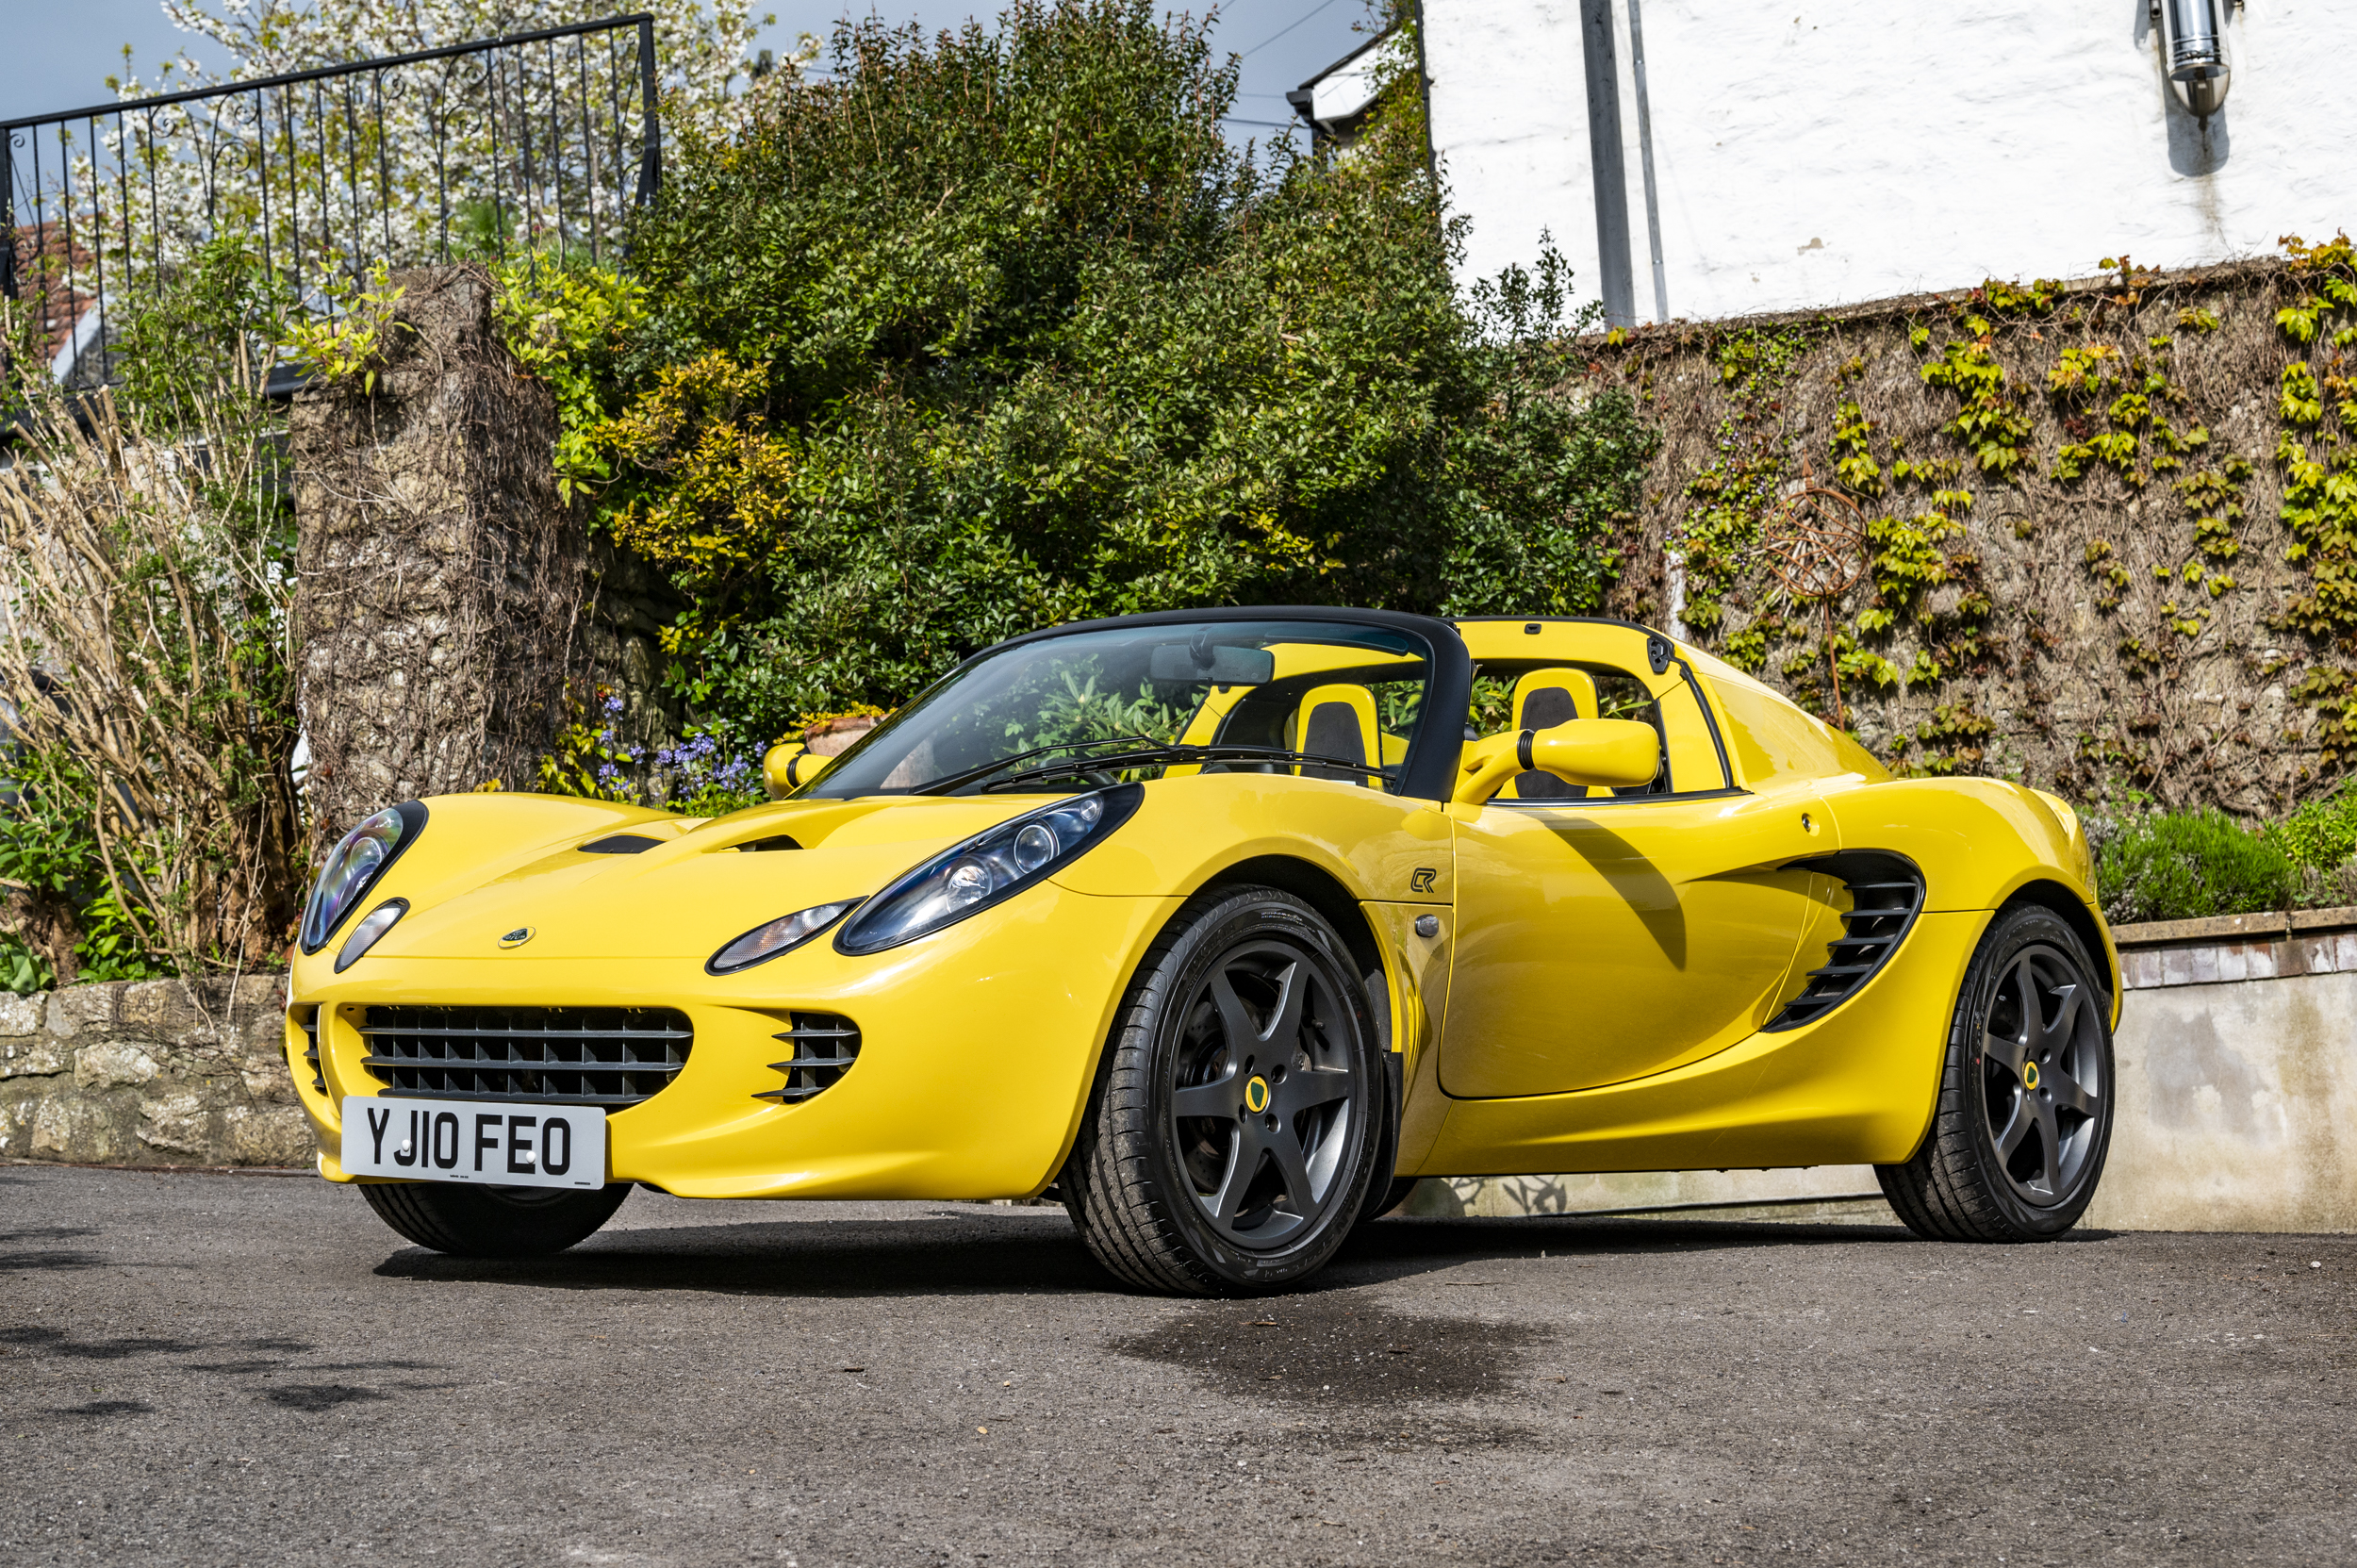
(1287, 28)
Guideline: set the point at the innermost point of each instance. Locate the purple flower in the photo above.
(613, 703)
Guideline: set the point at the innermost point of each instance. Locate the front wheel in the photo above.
(1231, 1141)
(492, 1222)
(2025, 1119)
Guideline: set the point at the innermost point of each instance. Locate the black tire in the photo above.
(492, 1222)
(2023, 1122)
(1247, 1012)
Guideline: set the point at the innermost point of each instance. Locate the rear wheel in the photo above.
(2025, 1119)
(492, 1222)
(1231, 1138)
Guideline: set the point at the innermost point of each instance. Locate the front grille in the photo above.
(559, 1055)
(308, 1018)
(1887, 893)
(825, 1047)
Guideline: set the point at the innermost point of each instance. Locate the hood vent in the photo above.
(1886, 894)
(621, 844)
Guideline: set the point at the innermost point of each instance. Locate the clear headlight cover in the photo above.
(780, 935)
(354, 866)
(986, 868)
(364, 936)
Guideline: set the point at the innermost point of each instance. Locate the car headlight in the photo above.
(986, 868)
(364, 936)
(354, 865)
(780, 935)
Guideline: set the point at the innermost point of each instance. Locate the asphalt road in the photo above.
(251, 1370)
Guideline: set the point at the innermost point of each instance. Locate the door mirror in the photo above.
(788, 765)
(1614, 753)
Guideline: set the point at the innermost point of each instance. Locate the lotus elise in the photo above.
(1223, 928)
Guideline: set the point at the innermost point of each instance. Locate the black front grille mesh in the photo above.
(825, 1047)
(1886, 894)
(559, 1055)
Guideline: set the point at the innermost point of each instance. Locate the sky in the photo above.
(59, 52)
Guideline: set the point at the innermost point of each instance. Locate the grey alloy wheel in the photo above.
(1242, 1110)
(1264, 1094)
(2022, 1119)
(2045, 1074)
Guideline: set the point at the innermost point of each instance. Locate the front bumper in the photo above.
(979, 1047)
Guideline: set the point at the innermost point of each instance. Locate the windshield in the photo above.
(1323, 699)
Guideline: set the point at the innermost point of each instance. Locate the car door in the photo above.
(1603, 935)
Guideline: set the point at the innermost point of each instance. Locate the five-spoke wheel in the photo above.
(2025, 1115)
(1266, 1087)
(2044, 1062)
(1235, 1131)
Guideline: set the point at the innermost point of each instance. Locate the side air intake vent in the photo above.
(1886, 894)
(825, 1047)
(309, 1017)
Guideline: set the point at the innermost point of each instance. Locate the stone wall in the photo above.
(2075, 573)
(619, 647)
(440, 577)
(449, 601)
(151, 1073)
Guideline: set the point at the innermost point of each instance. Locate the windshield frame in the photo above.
(1428, 772)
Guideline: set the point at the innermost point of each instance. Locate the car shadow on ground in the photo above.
(989, 1250)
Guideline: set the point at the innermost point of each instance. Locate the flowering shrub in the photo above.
(702, 776)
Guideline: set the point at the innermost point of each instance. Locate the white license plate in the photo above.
(495, 1144)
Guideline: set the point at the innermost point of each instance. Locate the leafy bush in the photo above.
(563, 317)
(992, 330)
(2322, 835)
(2186, 866)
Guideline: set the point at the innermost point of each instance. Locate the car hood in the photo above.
(470, 883)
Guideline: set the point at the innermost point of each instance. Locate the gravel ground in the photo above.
(251, 1369)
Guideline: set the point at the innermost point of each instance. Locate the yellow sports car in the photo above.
(1222, 927)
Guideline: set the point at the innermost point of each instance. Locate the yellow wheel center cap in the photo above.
(2029, 1075)
(1255, 1096)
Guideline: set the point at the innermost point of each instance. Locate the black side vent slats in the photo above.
(1886, 894)
(309, 1017)
(825, 1047)
(621, 844)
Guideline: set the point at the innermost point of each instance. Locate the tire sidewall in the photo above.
(1244, 917)
(2009, 934)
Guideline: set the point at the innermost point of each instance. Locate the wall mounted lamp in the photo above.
(2193, 51)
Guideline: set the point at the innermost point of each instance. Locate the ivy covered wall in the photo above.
(2101, 538)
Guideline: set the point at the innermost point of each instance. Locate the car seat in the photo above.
(1338, 721)
(1543, 699)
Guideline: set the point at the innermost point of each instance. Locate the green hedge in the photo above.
(993, 329)
(2187, 865)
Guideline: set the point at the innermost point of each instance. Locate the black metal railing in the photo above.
(536, 140)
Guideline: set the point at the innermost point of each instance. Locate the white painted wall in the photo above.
(1837, 151)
